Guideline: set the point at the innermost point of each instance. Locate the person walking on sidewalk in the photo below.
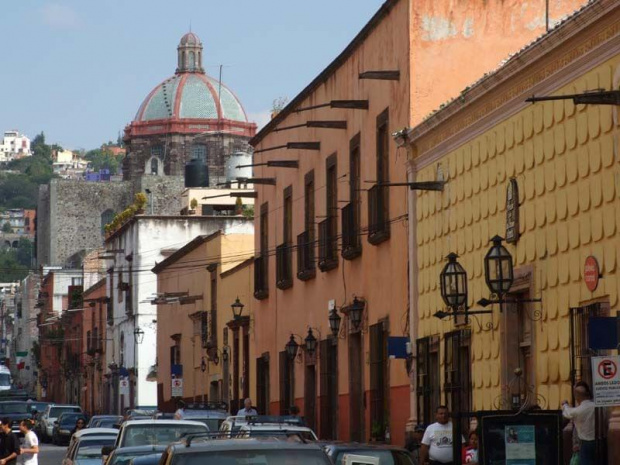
(29, 452)
(10, 444)
(583, 416)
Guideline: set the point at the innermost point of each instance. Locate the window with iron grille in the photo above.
(328, 366)
(581, 363)
(457, 371)
(204, 329)
(199, 152)
(305, 240)
(213, 323)
(378, 196)
(287, 382)
(328, 228)
(379, 384)
(427, 381)
(261, 263)
(284, 256)
(351, 243)
(175, 354)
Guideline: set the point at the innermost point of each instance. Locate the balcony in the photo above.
(261, 283)
(284, 266)
(378, 215)
(306, 268)
(328, 244)
(351, 243)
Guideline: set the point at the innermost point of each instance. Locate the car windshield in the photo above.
(92, 448)
(386, 457)
(5, 379)
(212, 423)
(156, 434)
(108, 422)
(38, 406)
(14, 407)
(56, 411)
(69, 420)
(253, 457)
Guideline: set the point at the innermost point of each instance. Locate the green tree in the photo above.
(24, 252)
(102, 159)
(6, 228)
(10, 268)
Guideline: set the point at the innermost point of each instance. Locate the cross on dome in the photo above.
(189, 54)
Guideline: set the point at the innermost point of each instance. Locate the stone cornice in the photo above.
(549, 63)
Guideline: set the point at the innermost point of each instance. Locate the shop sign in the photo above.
(591, 273)
(606, 380)
(177, 387)
(512, 211)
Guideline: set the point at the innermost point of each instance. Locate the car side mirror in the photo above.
(106, 450)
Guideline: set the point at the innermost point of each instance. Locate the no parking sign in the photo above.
(606, 380)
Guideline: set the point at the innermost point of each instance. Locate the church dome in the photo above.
(191, 96)
(190, 39)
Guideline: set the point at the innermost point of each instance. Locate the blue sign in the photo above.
(602, 333)
(176, 370)
(397, 347)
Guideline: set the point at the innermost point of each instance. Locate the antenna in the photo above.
(190, 25)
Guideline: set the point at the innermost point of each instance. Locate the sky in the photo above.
(79, 69)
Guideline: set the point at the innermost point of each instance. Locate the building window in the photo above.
(581, 364)
(305, 240)
(121, 357)
(284, 256)
(175, 351)
(157, 151)
(427, 382)
(378, 195)
(351, 243)
(154, 166)
(261, 263)
(204, 329)
(287, 382)
(192, 61)
(328, 400)
(457, 372)
(262, 384)
(328, 228)
(213, 289)
(199, 152)
(379, 383)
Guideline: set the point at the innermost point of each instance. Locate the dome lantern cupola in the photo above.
(189, 54)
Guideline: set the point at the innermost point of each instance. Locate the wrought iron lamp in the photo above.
(311, 342)
(138, 335)
(498, 268)
(356, 312)
(453, 281)
(237, 308)
(334, 322)
(292, 347)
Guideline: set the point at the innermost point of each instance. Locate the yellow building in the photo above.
(196, 328)
(561, 162)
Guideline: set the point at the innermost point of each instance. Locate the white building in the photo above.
(132, 251)
(25, 333)
(14, 145)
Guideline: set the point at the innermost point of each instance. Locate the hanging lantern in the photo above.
(291, 348)
(310, 343)
(334, 322)
(356, 312)
(453, 281)
(237, 308)
(498, 268)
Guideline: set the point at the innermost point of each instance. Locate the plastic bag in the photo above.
(574, 460)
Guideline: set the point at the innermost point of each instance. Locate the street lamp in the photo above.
(292, 348)
(310, 343)
(453, 280)
(203, 365)
(334, 322)
(138, 335)
(498, 269)
(237, 308)
(356, 312)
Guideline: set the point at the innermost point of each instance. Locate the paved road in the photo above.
(51, 455)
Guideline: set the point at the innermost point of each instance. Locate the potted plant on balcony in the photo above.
(140, 202)
(192, 206)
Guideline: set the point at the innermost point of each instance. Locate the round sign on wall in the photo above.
(591, 273)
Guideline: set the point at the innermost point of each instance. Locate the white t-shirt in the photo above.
(30, 440)
(439, 439)
(179, 414)
(247, 412)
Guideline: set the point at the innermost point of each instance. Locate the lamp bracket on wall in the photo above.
(592, 97)
(274, 164)
(388, 75)
(292, 146)
(414, 186)
(245, 195)
(263, 181)
(486, 302)
(343, 104)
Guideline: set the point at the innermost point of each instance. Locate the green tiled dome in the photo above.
(191, 96)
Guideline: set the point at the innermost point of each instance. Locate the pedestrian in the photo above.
(470, 452)
(30, 449)
(79, 424)
(10, 444)
(436, 446)
(414, 441)
(246, 411)
(180, 413)
(583, 417)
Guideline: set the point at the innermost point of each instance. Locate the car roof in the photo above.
(94, 431)
(163, 422)
(241, 444)
(205, 414)
(100, 417)
(85, 440)
(138, 449)
(274, 426)
(343, 446)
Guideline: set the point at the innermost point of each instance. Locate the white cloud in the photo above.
(261, 118)
(59, 16)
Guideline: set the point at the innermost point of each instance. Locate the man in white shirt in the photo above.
(583, 417)
(247, 409)
(436, 446)
(30, 448)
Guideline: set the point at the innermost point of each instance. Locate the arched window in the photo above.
(192, 61)
(106, 218)
(154, 166)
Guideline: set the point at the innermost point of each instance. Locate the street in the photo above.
(51, 455)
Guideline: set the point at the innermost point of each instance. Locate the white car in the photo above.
(93, 432)
(51, 414)
(278, 429)
(86, 450)
(156, 432)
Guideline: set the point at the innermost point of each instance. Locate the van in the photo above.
(6, 381)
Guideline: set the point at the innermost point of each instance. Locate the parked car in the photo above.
(16, 411)
(212, 414)
(51, 414)
(385, 453)
(104, 421)
(37, 406)
(63, 427)
(150, 459)
(86, 450)
(93, 432)
(156, 432)
(124, 455)
(196, 451)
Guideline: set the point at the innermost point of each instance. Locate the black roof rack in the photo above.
(246, 434)
(207, 406)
